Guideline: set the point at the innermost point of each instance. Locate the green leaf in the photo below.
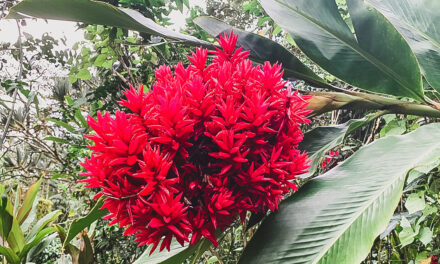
(63, 124)
(6, 217)
(406, 236)
(335, 218)
(320, 140)
(57, 139)
(84, 74)
(176, 255)
(16, 238)
(11, 257)
(394, 127)
(78, 225)
(415, 203)
(86, 251)
(377, 49)
(419, 22)
(95, 12)
(72, 79)
(263, 49)
(425, 235)
(80, 118)
(100, 59)
(36, 240)
(50, 217)
(28, 201)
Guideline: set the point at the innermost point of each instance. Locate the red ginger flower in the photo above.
(204, 145)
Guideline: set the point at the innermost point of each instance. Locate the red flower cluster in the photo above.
(204, 145)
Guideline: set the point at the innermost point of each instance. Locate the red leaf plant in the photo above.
(206, 144)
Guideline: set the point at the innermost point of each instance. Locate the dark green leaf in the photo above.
(320, 140)
(419, 22)
(78, 225)
(263, 49)
(377, 59)
(95, 12)
(5, 218)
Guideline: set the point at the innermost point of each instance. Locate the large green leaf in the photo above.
(320, 140)
(336, 217)
(78, 225)
(377, 59)
(419, 22)
(263, 49)
(95, 12)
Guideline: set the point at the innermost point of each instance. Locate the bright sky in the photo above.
(59, 29)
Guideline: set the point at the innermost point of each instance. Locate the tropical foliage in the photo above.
(183, 159)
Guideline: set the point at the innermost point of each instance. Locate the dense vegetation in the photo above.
(369, 70)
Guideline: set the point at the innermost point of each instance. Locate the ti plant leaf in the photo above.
(263, 49)
(28, 201)
(419, 22)
(376, 59)
(6, 217)
(335, 218)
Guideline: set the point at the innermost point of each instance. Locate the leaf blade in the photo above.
(95, 12)
(331, 218)
(263, 49)
(324, 37)
(417, 20)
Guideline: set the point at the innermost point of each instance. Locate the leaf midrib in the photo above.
(356, 217)
(363, 54)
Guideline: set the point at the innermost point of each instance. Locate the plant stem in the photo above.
(323, 102)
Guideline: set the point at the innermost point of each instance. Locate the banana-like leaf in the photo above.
(377, 59)
(263, 49)
(419, 22)
(335, 218)
(319, 140)
(28, 201)
(95, 12)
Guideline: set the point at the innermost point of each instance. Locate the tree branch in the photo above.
(14, 96)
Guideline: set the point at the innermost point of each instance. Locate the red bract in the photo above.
(209, 143)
